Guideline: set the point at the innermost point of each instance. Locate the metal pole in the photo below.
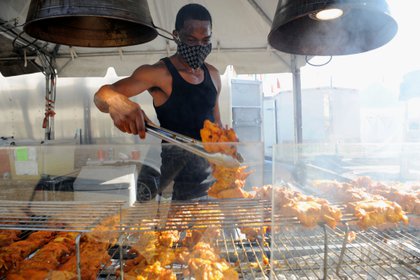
(297, 101)
(78, 269)
(50, 94)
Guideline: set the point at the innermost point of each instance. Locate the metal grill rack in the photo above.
(288, 252)
(390, 254)
(196, 215)
(320, 254)
(55, 216)
(295, 252)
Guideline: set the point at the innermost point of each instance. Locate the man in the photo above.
(185, 92)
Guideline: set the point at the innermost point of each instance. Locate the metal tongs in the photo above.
(194, 146)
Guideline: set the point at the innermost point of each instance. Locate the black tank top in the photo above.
(189, 105)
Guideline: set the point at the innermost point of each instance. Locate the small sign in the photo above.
(25, 161)
(21, 154)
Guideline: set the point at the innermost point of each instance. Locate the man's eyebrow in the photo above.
(193, 37)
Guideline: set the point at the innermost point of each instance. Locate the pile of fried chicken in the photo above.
(407, 197)
(12, 255)
(309, 210)
(224, 138)
(53, 254)
(229, 181)
(371, 203)
(155, 251)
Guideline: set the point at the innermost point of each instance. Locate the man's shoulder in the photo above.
(159, 65)
(156, 68)
(211, 68)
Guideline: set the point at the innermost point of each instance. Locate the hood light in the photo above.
(327, 14)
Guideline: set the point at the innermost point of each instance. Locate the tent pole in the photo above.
(297, 100)
(50, 94)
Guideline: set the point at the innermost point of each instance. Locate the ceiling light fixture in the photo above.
(331, 27)
(93, 23)
(328, 14)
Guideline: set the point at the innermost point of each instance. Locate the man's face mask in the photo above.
(194, 55)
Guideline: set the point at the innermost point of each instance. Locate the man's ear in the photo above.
(175, 33)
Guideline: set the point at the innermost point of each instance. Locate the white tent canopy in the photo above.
(240, 29)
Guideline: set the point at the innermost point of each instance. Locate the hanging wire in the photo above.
(12, 32)
(19, 36)
(165, 31)
(20, 42)
(46, 63)
(317, 65)
(6, 28)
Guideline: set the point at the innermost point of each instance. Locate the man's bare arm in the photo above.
(114, 99)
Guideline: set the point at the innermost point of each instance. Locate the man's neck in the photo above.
(184, 65)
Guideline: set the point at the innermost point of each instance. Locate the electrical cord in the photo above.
(25, 46)
(317, 65)
(165, 31)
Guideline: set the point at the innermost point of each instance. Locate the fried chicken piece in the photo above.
(212, 133)
(182, 255)
(231, 193)
(309, 210)
(168, 238)
(312, 212)
(46, 259)
(228, 174)
(370, 201)
(343, 192)
(265, 192)
(156, 272)
(252, 233)
(147, 244)
(153, 250)
(165, 255)
(7, 237)
(407, 200)
(351, 237)
(377, 212)
(61, 275)
(93, 255)
(107, 229)
(11, 256)
(205, 263)
(92, 259)
(154, 247)
(229, 182)
(208, 235)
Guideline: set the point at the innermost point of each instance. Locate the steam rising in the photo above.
(360, 29)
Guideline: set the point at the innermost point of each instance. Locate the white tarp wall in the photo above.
(22, 107)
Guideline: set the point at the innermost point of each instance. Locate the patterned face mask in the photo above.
(194, 55)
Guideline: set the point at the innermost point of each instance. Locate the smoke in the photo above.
(358, 30)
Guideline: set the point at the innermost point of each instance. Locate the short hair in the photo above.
(191, 11)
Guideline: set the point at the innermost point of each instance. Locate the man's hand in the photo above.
(127, 115)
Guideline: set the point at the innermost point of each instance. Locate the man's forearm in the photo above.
(100, 99)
